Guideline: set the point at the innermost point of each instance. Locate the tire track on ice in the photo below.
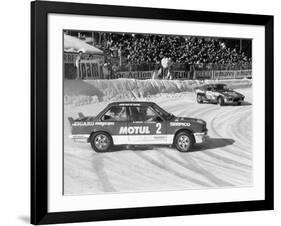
(172, 171)
(192, 165)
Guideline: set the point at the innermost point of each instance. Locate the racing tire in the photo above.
(184, 141)
(221, 101)
(199, 99)
(101, 142)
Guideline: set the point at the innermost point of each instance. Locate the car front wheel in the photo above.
(101, 142)
(184, 141)
(220, 101)
(199, 99)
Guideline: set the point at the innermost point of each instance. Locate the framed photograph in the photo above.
(145, 112)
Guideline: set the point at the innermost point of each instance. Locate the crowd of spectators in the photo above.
(139, 49)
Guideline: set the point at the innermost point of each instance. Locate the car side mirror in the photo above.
(158, 119)
(106, 117)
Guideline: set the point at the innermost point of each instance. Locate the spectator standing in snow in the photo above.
(77, 64)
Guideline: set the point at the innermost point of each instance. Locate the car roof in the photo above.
(214, 85)
(131, 103)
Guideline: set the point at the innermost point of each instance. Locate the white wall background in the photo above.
(15, 113)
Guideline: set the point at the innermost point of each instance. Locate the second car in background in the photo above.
(219, 94)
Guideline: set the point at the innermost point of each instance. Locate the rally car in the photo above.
(219, 94)
(137, 123)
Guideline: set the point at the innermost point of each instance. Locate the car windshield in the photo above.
(221, 87)
(166, 115)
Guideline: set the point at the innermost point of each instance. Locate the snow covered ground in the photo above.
(81, 92)
(224, 160)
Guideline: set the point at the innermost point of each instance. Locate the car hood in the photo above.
(233, 94)
(187, 119)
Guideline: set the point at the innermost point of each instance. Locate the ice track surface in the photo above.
(224, 160)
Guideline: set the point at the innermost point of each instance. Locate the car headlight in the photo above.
(200, 121)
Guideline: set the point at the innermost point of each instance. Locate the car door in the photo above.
(209, 93)
(115, 122)
(146, 126)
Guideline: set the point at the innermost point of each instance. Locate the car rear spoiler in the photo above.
(71, 120)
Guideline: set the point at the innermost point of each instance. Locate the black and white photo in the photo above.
(145, 112)
(132, 99)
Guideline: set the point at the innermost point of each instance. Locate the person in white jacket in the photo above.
(77, 64)
(166, 65)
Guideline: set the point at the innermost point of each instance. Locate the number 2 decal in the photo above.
(158, 126)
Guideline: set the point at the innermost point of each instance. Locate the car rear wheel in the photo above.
(199, 99)
(184, 141)
(101, 142)
(220, 101)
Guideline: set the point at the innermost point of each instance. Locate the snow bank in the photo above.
(80, 92)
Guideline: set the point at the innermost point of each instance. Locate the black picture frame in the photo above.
(39, 112)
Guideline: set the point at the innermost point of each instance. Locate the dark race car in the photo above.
(219, 94)
(137, 123)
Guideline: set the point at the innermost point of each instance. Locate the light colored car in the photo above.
(219, 94)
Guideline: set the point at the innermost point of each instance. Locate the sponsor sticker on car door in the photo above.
(145, 126)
